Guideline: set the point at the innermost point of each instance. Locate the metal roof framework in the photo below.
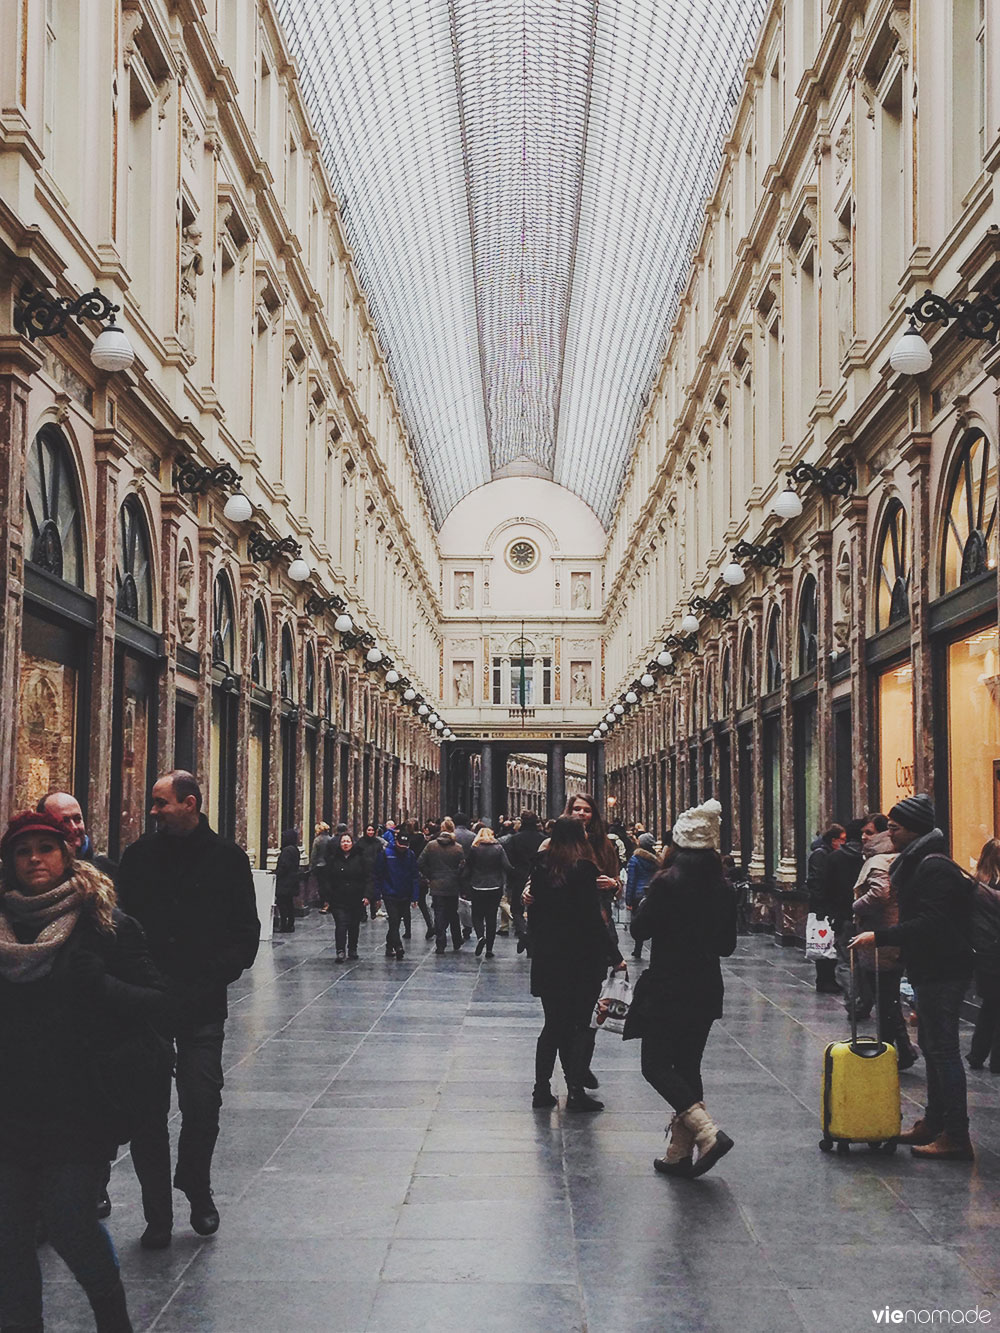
(522, 182)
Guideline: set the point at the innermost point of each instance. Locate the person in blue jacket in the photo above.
(642, 866)
(397, 883)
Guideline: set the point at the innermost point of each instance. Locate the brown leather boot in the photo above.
(920, 1133)
(946, 1148)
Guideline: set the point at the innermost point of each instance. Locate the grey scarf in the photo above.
(50, 916)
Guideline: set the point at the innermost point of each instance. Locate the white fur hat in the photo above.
(699, 827)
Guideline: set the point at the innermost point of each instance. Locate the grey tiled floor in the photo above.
(380, 1169)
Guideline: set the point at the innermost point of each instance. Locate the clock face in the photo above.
(522, 555)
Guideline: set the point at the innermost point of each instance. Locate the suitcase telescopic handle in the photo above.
(854, 1006)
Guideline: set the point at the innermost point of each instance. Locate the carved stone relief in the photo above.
(192, 265)
(580, 591)
(463, 684)
(842, 602)
(579, 683)
(463, 591)
(186, 622)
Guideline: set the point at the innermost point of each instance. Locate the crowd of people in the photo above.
(114, 978)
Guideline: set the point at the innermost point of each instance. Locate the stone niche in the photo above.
(464, 590)
(463, 683)
(581, 596)
(581, 683)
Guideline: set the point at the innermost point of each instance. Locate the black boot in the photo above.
(541, 1097)
(578, 1100)
(111, 1312)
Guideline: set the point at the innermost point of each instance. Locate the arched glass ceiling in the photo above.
(522, 182)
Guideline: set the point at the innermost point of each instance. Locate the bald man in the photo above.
(65, 808)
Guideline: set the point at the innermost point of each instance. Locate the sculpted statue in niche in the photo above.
(463, 684)
(186, 622)
(842, 603)
(581, 592)
(580, 683)
(463, 591)
(192, 265)
(843, 275)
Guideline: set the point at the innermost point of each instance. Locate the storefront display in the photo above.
(48, 706)
(974, 743)
(895, 734)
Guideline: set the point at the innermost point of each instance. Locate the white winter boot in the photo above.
(678, 1159)
(710, 1141)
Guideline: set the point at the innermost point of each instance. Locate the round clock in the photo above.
(522, 555)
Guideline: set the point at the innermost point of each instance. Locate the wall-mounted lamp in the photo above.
(316, 605)
(839, 479)
(978, 318)
(262, 550)
(719, 608)
(229, 682)
(41, 316)
(768, 555)
(686, 643)
(191, 478)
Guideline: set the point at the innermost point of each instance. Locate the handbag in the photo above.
(613, 1004)
(819, 939)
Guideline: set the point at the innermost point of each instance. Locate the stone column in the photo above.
(822, 546)
(19, 360)
(556, 785)
(599, 788)
(486, 781)
(786, 869)
(861, 740)
(109, 450)
(755, 614)
(171, 509)
(917, 455)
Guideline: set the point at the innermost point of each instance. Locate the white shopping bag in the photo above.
(613, 1003)
(465, 914)
(819, 938)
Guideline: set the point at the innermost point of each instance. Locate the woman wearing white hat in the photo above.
(689, 916)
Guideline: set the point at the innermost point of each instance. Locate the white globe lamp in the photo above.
(432, 718)
(374, 655)
(647, 681)
(238, 508)
(786, 504)
(423, 710)
(299, 570)
(112, 350)
(631, 697)
(733, 575)
(392, 676)
(409, 694)
(665, 658)
(618, 710)
(911, 355)
(603, 727)
(689, 625)
(343, 624)
(439, 725)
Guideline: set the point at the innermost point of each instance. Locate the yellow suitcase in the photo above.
(860, 1092)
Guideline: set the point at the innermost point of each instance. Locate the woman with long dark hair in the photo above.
(689, 917)
(986, 938)
(348, 877)
(570, 955)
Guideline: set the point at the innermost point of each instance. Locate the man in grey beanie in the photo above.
(934, 933)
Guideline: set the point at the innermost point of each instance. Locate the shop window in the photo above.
(55, 540)
(892, 565)
(895, 734)
(310, 681)
(52, 658)
(258, 648)
(133, 571)
(971, 516)
(747, 690)
(223, 623)
(973, 744)
(287, 683)
(808, 626)
(772, 663)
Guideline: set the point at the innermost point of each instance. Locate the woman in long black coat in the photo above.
(78, 991)
(570, 956)
(689, 916)
(348, 878)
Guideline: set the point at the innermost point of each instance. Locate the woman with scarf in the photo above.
(77, 990)
(348, 877)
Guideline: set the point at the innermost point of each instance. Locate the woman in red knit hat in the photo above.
(78, 993)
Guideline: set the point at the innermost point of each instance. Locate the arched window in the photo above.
(55, 541)
(258, 652)
(747, 690)
(328, 693)
(808, 626)
(892, 596)
(223, 623)
(773, 657)
(287, 665)
(727, 683)
(310, 680)
(971, 516)
(133, 571)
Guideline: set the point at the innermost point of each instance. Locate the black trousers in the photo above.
(348, 924)
(986, 1036)
(397, 910)
(892, 1027)
(671, 1059)
(566, 1033)
(425, 911)
(199, 1096)
(286, 912)
(514, 898)
(445, 917)
(485, 905)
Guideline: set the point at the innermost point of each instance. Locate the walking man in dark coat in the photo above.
(192, 892)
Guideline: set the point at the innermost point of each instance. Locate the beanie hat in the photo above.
(700, 827)
(915, 813)
(30, 821)
(647, 842)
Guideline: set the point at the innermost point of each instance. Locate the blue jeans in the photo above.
(939, 1005)
(64, 1194)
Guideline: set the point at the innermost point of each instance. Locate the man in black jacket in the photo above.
(193, 894)
(521, 848)
(816, 885)
(934, 933)
(65, 809)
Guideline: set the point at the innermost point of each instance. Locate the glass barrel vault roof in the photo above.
(522, 185)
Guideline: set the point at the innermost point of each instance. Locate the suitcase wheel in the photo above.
(889, 1147)
(843, 1147)
(826, 1145)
